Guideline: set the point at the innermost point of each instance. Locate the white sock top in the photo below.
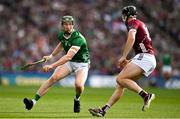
(34, 101)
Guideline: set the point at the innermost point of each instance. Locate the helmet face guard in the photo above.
(124, 17)
(67, 18)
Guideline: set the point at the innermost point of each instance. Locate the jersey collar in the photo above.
(67, 37)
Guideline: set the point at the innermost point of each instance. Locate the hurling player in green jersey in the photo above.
(76, 59)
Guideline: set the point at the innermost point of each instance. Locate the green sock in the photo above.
(77, 97)
(37, 97)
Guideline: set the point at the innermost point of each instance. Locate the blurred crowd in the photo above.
(28, 30)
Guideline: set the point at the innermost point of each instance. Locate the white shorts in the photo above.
(166, 69)
(75, 66)
(145, 61)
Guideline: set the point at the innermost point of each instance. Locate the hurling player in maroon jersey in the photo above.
(143, 63)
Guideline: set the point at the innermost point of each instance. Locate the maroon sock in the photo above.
(105, 108)
(143, 94)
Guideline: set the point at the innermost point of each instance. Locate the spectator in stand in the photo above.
(27, 22)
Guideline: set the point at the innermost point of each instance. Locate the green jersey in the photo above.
(167, 59)
(76, 39)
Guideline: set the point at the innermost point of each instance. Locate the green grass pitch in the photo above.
(58, 103)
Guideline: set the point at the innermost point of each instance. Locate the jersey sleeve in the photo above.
(133, 25)
(77, 42)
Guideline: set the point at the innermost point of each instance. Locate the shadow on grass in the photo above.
(43, 115)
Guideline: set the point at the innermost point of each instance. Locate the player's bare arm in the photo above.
(54, 53)
(128, 46)
(57, 49)
(70, 54)
(72, 51)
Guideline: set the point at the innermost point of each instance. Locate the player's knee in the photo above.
(120, 81)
